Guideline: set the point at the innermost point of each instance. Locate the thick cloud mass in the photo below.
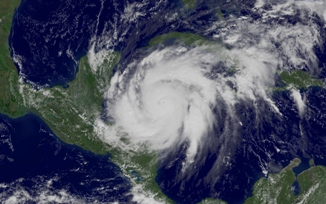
(179, 94)
(211, 109)
(168, 98)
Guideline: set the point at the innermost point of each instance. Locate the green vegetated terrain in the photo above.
(10, 99)
(299, 79)
(71, 112)
(180, 38)
(211, 201)
(190, 3)
(220, 14)
(277, 188)
(141, 167)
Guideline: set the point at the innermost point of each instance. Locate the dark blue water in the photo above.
(304, 165)
(259, 139)
(236, 179)
(49, 37)
(296, 187)
(31, 156)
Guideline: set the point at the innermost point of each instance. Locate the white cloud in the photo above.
(170, 96)
(296, 96)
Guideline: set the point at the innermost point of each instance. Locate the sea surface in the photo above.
(36, 162)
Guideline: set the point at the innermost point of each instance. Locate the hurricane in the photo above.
(185, 96)
(214, 110)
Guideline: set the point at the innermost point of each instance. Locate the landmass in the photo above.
(180, 38)
(10, 99)
(299, 79)
(190, 3)
(278, 188)
(212, 201)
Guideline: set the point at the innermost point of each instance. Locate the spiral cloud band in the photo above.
(167, 100)
(169, 96)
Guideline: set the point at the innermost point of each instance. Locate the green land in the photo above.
(190, 3)
(299, 79)
(10, 99)
(276, 188)
(220, 14)
(69, 112)
(211, 201)
(180, 38)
